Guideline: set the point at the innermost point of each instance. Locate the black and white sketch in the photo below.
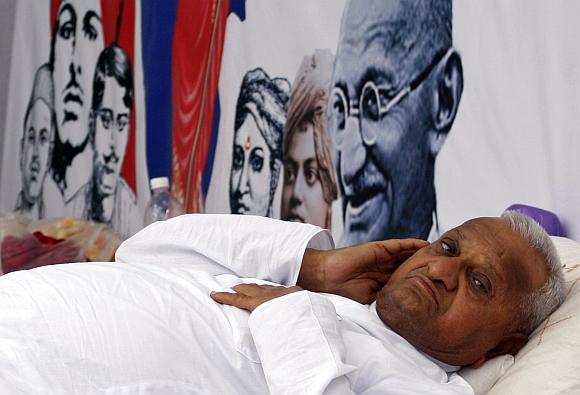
(309, 185)
(36, 145)
(396, 87)
(107, 198)
(261, 111)
(77, 42)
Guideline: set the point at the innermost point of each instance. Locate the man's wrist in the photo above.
(311, 275)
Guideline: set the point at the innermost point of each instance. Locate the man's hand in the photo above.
(250, 296)
(356, 272)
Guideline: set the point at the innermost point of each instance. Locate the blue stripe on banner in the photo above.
(215, 124)
(238, 7)
(157, 23)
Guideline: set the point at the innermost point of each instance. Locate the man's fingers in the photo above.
(398, 247)
(233, 299)
(251, 289)
(250, 296)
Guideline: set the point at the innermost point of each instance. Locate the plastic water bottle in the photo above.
(163, 204)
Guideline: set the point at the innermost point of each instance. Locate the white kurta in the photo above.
(147, 325)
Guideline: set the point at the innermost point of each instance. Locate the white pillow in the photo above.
(550, 362)
(483, 378)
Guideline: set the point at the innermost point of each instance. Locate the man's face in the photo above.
(302, 195)
(35, 149)
(456, 298)
(77, 45)
(381, 183)
(111, 135)
(250, 175)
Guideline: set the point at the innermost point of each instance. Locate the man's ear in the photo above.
(92, 126)
(449, 87)
(509, 344)
(22, 153)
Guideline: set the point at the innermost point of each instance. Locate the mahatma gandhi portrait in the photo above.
(396, 88)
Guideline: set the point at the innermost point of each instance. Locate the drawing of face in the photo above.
(381, 119)
(111, 136)
(35, 150)
(250, 175)
(78, 42)
(302, 196)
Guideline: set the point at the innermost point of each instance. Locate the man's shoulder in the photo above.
(125, 192)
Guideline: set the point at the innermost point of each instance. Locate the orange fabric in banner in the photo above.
(197, 50)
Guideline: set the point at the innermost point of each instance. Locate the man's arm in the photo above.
(297, 337)
(357, 272)
(244, 245)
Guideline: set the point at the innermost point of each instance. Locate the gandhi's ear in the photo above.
(509, 344)
(92, 126)
(448, 90)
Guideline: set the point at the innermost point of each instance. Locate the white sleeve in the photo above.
(244, 245)
(301, 349)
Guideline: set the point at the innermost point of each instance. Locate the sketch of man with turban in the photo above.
(257, 150)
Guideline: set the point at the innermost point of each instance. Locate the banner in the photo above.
(437, 112)
(72, 123)
(373, 118)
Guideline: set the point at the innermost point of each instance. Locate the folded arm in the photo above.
(243, 245)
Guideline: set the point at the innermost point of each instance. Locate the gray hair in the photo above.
(537, 305)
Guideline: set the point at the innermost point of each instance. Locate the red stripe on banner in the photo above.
(197, 51)
(53, 11)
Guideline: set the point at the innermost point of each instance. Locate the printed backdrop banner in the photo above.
(466, 125)
(71, 140)
(373, 118)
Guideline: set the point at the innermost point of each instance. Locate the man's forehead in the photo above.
(113, 94)
(81, 5)
(386, 33)
(521, 263)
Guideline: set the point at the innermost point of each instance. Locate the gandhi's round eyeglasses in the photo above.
(374, 103)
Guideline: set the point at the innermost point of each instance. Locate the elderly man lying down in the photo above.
(391, 317)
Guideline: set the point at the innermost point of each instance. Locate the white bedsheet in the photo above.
(147, 325)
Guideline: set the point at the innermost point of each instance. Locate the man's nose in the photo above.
(74, 70)
(446, 271)
(35, 149)
(113, 150)
(353, 152)
(244, 185)
(299, 187)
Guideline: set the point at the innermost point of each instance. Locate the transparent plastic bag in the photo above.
(25, 243)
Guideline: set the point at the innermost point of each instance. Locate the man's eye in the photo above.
(289, 174)
(106, 120)
(370, 105)
(449, 247)
(256, 161)
(66, 30)
(238, 160)
(481, 282)
(91, 33)
(43, 135)
(31, 135)
(311, 175)
(122, 123)
(338, 113)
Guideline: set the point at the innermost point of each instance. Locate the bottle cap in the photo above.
(159, 182)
